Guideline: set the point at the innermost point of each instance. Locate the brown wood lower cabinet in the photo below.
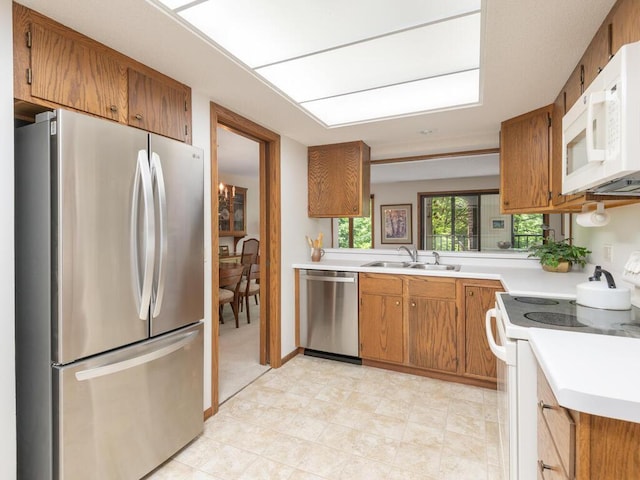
(427, 325)
(575, 445)
(433, 326)
(475, 298)
(381, 332)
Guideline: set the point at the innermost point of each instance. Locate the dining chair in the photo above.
(250, 251)
(249, 286)
(230, 278)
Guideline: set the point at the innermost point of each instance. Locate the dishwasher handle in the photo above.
(316, 278)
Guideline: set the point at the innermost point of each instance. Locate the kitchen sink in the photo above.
(430, 266)
(388, 264)
(418, 266)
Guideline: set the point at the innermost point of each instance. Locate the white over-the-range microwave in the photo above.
(601, 132)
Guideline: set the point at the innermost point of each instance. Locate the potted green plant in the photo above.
(559, 256)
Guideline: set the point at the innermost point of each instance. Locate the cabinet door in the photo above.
(625, 26)
(381, 327)
(597, 54)
(338, 180)
(525, 161)
(478, 361)
(433, 334)
(69, 71)
(157, 106)
(239, 211)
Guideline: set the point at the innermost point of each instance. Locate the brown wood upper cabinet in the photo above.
(525, 160)
(338, 180)
(55, 66)
(158, 106)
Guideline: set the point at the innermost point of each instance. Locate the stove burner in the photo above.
(537, 300)
(557, 319)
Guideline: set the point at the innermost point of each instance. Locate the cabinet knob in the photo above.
(543, 405)
(413, 304)
(543, 466)
(397, 303)
(471, 294)
(138, 116)
(113, 108)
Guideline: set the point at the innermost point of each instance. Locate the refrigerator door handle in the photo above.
(143, 181)
(159, 281)
(112, 368)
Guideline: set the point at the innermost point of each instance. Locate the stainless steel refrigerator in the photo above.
(109, 298)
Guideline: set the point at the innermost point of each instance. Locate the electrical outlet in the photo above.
(607, 253)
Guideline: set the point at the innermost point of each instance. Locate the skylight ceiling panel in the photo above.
(436, 93)
(173, 4)
(260, 32)
(429, 51)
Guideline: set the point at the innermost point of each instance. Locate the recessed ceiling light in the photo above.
(350, 62)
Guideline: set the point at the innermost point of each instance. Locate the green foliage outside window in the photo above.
(361, 232)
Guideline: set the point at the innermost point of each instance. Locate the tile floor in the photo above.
(315, 419)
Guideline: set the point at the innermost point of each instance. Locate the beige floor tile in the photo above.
(302, 426)
(198, 452)
(358, 468)
(425, 414)
(323, 461)
(460, 468)
(400, 474)
(264, 469)
(376, 447)
(334, 394)
(287, 449)
(468, 408)
(471, 426)
(243, 409)
(302, 475)
(228, 462)
(322, 410)
(464, 446)
(362, 401)
(420, 434)
(394, 408)
(346, 438)
(494, 472)
(490, 412)
(306, 389)
(466, 392)
(350, 417)
(384, 426)
(421, 459)
(263, 395)
(292, 402)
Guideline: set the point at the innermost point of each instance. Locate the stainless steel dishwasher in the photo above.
(329, 312)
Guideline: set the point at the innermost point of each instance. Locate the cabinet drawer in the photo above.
(561, 426)
(549, 465)
(432, 287)
(380, 284)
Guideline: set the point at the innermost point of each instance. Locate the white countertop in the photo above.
(516, 280)
(595, 374)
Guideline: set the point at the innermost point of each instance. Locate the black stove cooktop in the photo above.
(563, 314)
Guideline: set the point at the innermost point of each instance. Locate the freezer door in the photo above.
(97, 280)
(177, 172)
(121, 414)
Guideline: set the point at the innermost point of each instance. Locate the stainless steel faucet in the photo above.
(412, 251)
(436, 256)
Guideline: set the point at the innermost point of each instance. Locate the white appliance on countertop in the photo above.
(109, 298)
(601, 131)
(517, 370)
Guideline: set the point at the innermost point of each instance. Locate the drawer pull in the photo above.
(543, 466)
(138, 116)
(543, 405)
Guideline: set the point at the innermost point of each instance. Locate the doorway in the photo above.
(269, 172)
(238, 221)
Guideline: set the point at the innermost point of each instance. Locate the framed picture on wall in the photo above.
(497, 223)
(396, 223)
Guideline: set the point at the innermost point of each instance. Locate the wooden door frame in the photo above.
(270, 226)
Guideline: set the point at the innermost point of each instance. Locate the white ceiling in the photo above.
(530, 48)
